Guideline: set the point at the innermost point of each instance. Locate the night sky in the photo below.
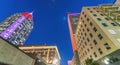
(50, 20)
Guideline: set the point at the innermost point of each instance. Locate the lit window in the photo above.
(112, 31)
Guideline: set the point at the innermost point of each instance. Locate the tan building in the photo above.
(98, 34)
(49, 53)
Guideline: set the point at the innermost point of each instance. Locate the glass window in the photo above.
(88, 19)
(100, 51)
(85, 25)
(85, 16)
(88, 29)
(112, 31)
(88, 39)
(107, 19)
(95, 42)
(82, 12)
(94, 15)
(91, 23)
(99, 19)
(91, 11)
(104, 24)
(94, 29)
(91, 35)
(88, 8)
(100, 36)
(95, 54)
(107, 46)
(102, 14)
(114, 24)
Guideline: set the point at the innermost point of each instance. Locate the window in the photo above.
(94, 29)
(102, 14)
(99, 19)
(100, 36)
(91, 23)
(91, 47)
(113, 24)
(88, 29)
(82, 12)
(91, 35)
(90, 56)
(95, 42)
(88, 50)
(91, 11)
(95, 54)
(88, 39)
(97, 11)
(85, 16)
(88, 8)
(83, 30)
(118, 39)
(94, 15)
(85, 34)
(85, 25)
(112, 31)
(107, 46)
(83, 21)
(104, 24)
(88, 19)
(81, 18)
(107, 19)
(83, 38)
(85, 43)
(83, 46)
(100, 51)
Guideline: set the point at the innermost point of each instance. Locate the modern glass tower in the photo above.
(16, 28)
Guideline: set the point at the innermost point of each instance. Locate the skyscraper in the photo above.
(73, 20)
(16, 28)
(98, 34)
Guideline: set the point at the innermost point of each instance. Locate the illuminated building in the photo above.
(49, 53)
(72, 23)
(16, 28)
(98, 34)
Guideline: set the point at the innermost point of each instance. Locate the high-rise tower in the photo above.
(16, 28)
(72, 23)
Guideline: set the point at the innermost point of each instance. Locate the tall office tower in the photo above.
(98, 34)
(72, 23)
(16, 28)
(49, 53)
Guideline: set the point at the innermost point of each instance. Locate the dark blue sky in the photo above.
(50, 20)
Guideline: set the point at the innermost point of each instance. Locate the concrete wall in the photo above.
(13, 56)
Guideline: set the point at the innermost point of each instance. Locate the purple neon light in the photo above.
(5, 34)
